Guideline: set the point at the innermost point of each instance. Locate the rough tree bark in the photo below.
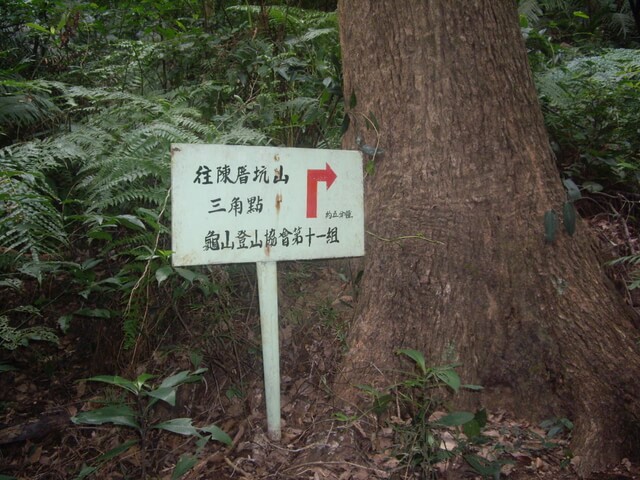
(467, 163)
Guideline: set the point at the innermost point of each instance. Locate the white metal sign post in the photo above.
(234, 204)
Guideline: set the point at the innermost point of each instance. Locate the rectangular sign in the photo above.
(236, 204)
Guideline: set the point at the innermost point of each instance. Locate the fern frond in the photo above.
(142, 239)
(312, 34)
(30, 222)
(550, 87)
(530, 9)
(151, 196)
(130, 165)
(26, 103)
(622, 23)
(628, 259)
(294, 20)
(240, 135)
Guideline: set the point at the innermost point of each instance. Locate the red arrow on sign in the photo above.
(313, 177)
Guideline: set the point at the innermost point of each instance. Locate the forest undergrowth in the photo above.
(114, 363)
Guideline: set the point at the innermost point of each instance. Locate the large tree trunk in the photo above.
(467, 163)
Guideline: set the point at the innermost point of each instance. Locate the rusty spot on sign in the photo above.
(276, 157)
(174, 150)
(278, 202)
(267, 250)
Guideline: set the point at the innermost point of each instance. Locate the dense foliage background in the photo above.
(92, 94)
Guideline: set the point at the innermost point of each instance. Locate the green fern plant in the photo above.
(590, 105)
(98, 183)
(578, 22)
(132, 135)
(137, 415)
(109, 171)
(296, 21)
(30, 220)
(26, 106)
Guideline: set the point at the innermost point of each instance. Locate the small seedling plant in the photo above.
(137, 415)
(419, 433)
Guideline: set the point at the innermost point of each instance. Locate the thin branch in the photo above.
(418, 236)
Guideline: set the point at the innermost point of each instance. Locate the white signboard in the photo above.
(233, 204)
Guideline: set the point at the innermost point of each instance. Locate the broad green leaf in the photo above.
(163, 273)
(164, 253)
(198, 372)
(580, 14)
(416, 356)
(131, 221)
(569, 218)
(627, 165)
(553, 431)
(181, 426)
(117, 381)
(64, 322)
(471, 429)
(592, 187)
(217, 434)
(455, 419)
(568, 424)
(550, 226)
(116, 414)
(353, 101)
(481, 417)
(187, 274)
(142, 379)
(573, 192)
(166, 394)
(176, 379)
(37, 27)
(450, 378)
(185, 463)
(183, 377)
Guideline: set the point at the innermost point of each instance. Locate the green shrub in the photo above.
(591, 106)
